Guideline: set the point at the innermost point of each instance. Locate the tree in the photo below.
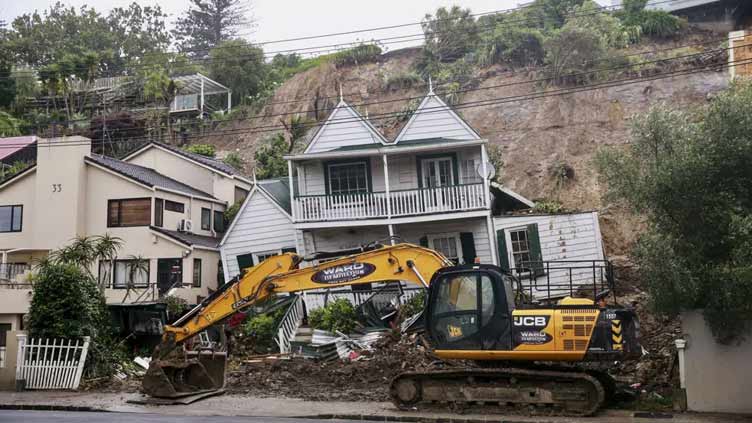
(688, 173)
(551, 14)
(124, 36)
(208, 23)
(573, 50)
(239, 66)
(449, 33)
(269, 158)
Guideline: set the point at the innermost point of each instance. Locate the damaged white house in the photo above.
(351, 187)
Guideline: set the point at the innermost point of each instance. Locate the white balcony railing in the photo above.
(14, 275)
(368, 205)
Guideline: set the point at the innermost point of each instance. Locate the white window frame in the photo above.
(329, 166)
(424, 163)
(469, 171)
(268, 253)
(458, 243)
(510, 249)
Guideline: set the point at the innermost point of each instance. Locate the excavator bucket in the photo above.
(200, 372)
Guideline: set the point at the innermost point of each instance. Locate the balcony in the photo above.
(14, 276)
(373, 205)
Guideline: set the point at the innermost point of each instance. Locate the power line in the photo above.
(533, 81)
(472, 104)
(337, 47)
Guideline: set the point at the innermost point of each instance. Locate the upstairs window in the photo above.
(11, 218)
(348, 178)
(129, 212)
(158, 212)
(205, 219)
(174, 206)
(219, 222)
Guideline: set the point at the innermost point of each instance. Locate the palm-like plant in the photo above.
(137, 265)
(85, 251)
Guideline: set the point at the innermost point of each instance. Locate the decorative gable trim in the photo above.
(375, 135)
(442, 108)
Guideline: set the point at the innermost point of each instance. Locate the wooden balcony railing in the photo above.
(368, 205)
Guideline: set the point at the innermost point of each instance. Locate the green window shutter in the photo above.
(535, 249)
(468, 247)
(501, 243)
(423, 241)
(244, 261)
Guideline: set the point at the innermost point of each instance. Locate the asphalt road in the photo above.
(8, 416)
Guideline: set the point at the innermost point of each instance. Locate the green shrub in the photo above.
(571, 53)
(364, 53)
(548, 207)
(207, 150)
(66, 303)
(653, 23)
(262, 329)
(175, 306)
(413, 306)
(450, 34)
(516, 45)
(234, 159)
(338, 315)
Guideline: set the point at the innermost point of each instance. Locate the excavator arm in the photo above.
(280, 274)
(202, 371)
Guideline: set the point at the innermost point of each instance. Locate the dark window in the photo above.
(130, 212)
(169, 274)
(174, 206)
(11, 218)
(158, 212)
(131, 274)
(240, 194)
(347, 178)
(219, 221)
(244, 261)
(105, 273)
(197, 273)
(205, 219)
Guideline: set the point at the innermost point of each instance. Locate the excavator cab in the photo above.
(470, 308)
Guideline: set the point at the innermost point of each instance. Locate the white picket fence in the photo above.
(51, 363)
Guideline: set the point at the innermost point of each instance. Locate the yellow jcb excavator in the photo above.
(471, 312)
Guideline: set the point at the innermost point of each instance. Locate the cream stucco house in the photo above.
(166, 205)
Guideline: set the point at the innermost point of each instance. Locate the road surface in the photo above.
(14, 416)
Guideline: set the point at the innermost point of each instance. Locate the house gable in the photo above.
(260, 226)
(434, 119)
(344, 127)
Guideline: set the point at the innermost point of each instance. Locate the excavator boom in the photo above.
(275, 275)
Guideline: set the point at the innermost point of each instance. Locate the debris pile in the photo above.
(364, 376)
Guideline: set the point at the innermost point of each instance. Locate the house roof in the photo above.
(279, 191)
(434, 118)
(344, 124)
(7, 181)
(215, 164)
(11, 145)
(146, 176)
(193, 84)
(189, 239)
(428, 144)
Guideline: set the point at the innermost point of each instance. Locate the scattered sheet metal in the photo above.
(345, 345)
(185, 400)
(413, 324)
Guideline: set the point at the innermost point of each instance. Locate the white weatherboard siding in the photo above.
(261, 227)
(344, 127)
(434, 119)
(413, 232)
(403, 171)
(574, 236)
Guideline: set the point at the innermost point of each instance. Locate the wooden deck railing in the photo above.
(367, 205)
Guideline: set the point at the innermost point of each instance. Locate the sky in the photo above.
(284, 19)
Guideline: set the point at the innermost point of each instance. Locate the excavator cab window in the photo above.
(468, 310)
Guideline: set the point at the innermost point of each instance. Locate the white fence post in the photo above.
(20, 355)
(81, 362)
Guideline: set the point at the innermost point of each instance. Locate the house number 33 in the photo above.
(57, 187)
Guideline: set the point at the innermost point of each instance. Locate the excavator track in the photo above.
(550, 392)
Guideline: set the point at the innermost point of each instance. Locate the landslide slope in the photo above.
(536, 136)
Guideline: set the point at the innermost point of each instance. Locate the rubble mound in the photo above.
(365, 378)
